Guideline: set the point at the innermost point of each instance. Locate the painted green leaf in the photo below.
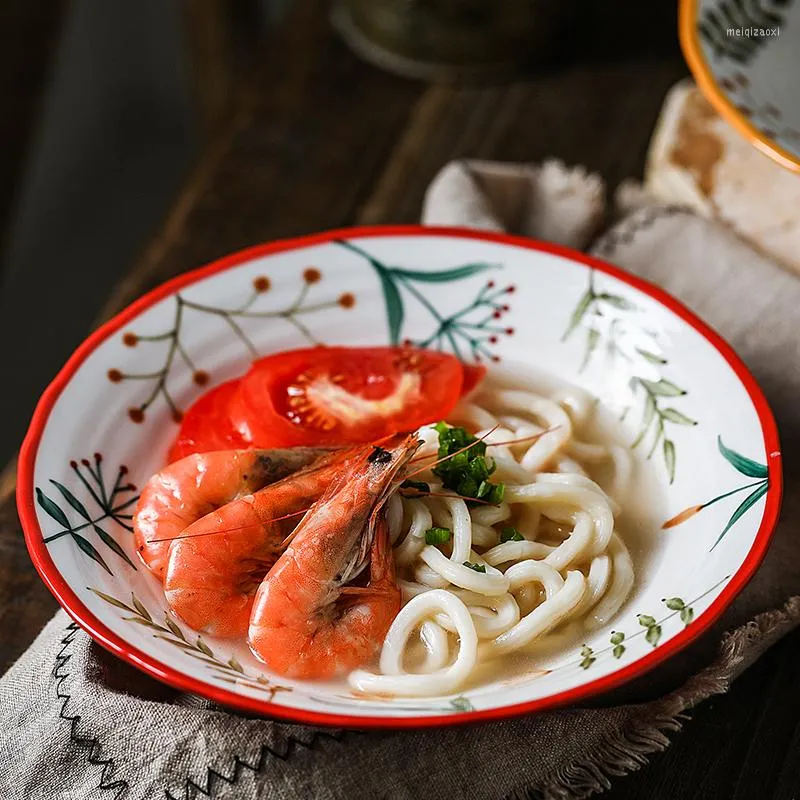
(87, 547)
(442, 276)
(745, 506)
(71, 499)
(111, 543)
(137, 604)
(617, 637)
(653, 634)
(618, 651)
(647, 418)
(111, 600)
(394, 306)
(462, 704)
(687, 615)
(174, 629)
(617, 301)
(646, 621)
(592, 338)
(741, 463)
(579, 313)
(52, 509)
(204, 648)
(144, 623)
(235, 665)
(587, 662)
(673, 415)
(674, 603)
(651, 357)
(586, 651)
(180, 645)
(663, 388)
(669, 458)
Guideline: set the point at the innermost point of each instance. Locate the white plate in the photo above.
(86, 451)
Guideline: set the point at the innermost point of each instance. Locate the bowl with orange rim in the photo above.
(677, 405)
(744, 57)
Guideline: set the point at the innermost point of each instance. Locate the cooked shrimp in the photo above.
(190, 488)
(306, 623)
(217, 563)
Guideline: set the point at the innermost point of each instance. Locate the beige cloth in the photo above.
(76, 723)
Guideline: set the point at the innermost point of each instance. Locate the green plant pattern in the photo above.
(648, 626)
(714, 23)
(603, 316)
(744, 466)
(227, 671)
(113, 501)
(459, 704)
(468, 332)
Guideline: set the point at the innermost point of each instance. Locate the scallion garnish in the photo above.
(511, 534)
(476, 567)
(437, 535)
(466, 471)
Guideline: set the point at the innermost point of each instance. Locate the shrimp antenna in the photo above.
(229, 530)
(450, 495)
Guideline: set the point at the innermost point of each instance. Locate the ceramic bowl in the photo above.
(703, 440)
(745, 58)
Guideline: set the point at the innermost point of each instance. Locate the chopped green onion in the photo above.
(496, 495)
(511, 534)
(467, 487)
(420, 486)
(476, 567)
(466, 471)
(437, 535)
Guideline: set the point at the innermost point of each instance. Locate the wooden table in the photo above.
(317, 139)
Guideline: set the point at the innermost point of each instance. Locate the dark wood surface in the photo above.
(316, 139)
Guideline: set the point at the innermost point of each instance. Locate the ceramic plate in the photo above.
(745, 58)
(709, 488)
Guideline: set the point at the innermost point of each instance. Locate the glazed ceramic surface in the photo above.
(745, 57)
(706, 477)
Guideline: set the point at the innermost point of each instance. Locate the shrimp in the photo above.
(190, 488)
(305, 622)
(217, 562)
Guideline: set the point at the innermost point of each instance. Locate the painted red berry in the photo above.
(200, 377)
(130, 339)
(115, 376)
(312, 275)
(136, 414)
(261, 284)
(346, 300)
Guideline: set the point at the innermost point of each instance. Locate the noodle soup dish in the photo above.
(400, 477)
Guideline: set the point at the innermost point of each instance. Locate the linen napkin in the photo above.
(77, 723)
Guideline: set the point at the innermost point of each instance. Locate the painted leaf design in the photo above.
(592, 338)
(741, 463)
(235, 665)
(617, 637)
(112, 600)
(653, 634)
(442, 276)
(617, 301)
(663, 388)
(87, 547)
(52, 509)
(112, 544)
(174, 629)
(394, 306)
(687, 615)
(673, 415)
(618, 650)
(646, 621)
(651, 357)
(743, 508)
(144, 623)
(674, 603)
(669, 458)
(204, 648)
(462, 704)
(140, 608)
(71, 499)
(579, 313)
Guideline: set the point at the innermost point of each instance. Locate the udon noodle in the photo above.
(571, 566)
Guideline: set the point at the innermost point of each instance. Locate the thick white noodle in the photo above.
(394, 680)
(570, 572)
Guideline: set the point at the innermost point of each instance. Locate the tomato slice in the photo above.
(206, 425)
(473, 375)
(333, 395)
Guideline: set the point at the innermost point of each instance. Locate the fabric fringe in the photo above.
(626, 750)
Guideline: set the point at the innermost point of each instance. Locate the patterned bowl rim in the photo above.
(174, 677)
(704, 75)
